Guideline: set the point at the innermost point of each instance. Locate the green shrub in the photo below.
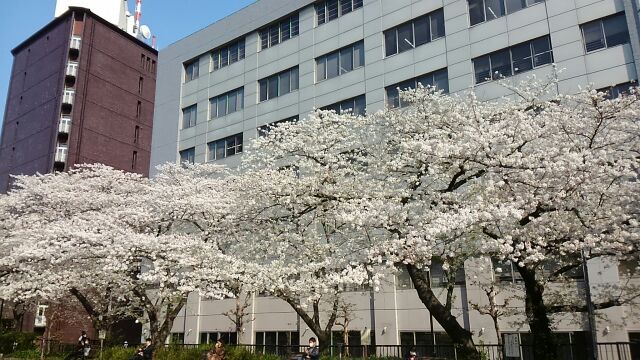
(25, 341)
(117, 353)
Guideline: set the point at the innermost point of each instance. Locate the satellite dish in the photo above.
(145, 31)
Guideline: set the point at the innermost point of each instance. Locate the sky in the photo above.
(169, 20)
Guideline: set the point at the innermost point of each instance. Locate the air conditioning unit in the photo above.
(61, 153)
(76, 41)
(72, 69)
(68, 96)
(65, 125)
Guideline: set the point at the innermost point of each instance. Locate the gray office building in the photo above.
(280, 59)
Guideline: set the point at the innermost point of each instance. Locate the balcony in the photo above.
(72, 69)
(61, 153)
(76, 41)
(68, 96)
(65, 125)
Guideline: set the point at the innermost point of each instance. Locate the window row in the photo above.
(355, 106)
(439, 79)
(438, 276)
(513, 60)
(226, 103)
(605, 32)
(228, 54)
(223, 148)
(332, 9)
(340, 61)
(485, 10)
(265, 129)
(414, 33)
(279, 84)
(279, 32)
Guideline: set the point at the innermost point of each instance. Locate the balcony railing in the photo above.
(68, 96)
(61, 153)
(65, 125)
(76, 41)
(72, 69)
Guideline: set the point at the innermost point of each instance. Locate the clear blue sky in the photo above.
(170, 20)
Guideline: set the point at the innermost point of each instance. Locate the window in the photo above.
(142, 57)
(138, 109)
(136, 134)
(439, 79)
(224, 148)
(332, 9)
(153, 66)
(340, 61)
(355, 106)
(414, 33)
(485, 10)
(504, 271)
(516, 59)
(438, 276)
(189, 115)
(140, 84)
(227, 103)
(191, 70)
(420, 339)
(265, 129)
(276, 342)
(177, 338)
(188, 155)
(618, 90)
(575, 272)
(278, 32)
(226, 337)
(228, 54)
(605, 32)
(134, 160)
(278, 84)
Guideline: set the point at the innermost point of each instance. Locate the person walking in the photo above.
(84, 345)
(313, 352)
(145, 352)
(217, 352)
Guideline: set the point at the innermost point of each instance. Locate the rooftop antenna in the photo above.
(138, 15)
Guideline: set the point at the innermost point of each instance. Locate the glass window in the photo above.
(500, 64)
(188, 155)
(224, 57)
(189, 115)
(233, 102)
(515, 5)
(285, 30)
(213, 108)
(441, 80)
(332, 65)
(274, 35)
(241, 50)
(216, 60)
(522, 59)
(295, 25)
(393, 97)
(345, 6)
(476, 11)
(422, 31)
(593, 36)
(358, 55)
(357, 4)
(192, 70)
(263, 89)
(437, 24)
(616, 31)
(264, 38)
(359, 105)
(482, 69)
(542, 51)
(321, 64)
(222, 106)
(273, 87)
(219, 150)
(405, 37)
(240, 99)
(320, 13)
(390, 42)
(285, 83)
(233, 50)
(346, 60)
(294, 78)
(494, 9)
(332, 10)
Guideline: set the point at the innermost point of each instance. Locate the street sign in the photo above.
(511, 345)
(102, 334)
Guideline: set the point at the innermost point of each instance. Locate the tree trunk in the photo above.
(544, 343)
(461, 337)
(160, 327)
(313, 322)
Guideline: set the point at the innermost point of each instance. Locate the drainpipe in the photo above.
(633, 23)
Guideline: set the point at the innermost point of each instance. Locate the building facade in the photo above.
(81, 91)
(280, 59)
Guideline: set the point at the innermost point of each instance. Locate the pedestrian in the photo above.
(217, 352)
(145, 352)
(411, 354)
(84, 345)
(313, 352)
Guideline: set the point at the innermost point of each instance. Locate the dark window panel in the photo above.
(321, 69)
(264, 38)
(360, 105)
(593, 36)
(515, 5)
(188, 155)
(345, 6)
(357, 4)
(476, 11)
(358, 54)
(346, 60)
(320, 13)
(405, 37)
(437, 24)
(500, 64)
(233, 102)
(422, 30)
(224, 57)
(616, 31)
(285, 83)
(222, 106)
(494, 9)
(285, 30)
(233, 53)
(241, 50)
(295, 26)
(294, 79)
(542, 51)
(390, 42)
(332, 10)
(482, 69)
(274, 35)
(216, 60)
(263, 89)
(522, 59)
(273, 87)
(441, 80)
(332, 65)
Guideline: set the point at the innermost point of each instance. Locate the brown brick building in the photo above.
(81, 91)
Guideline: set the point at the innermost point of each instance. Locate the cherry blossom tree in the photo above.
(95, 231)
